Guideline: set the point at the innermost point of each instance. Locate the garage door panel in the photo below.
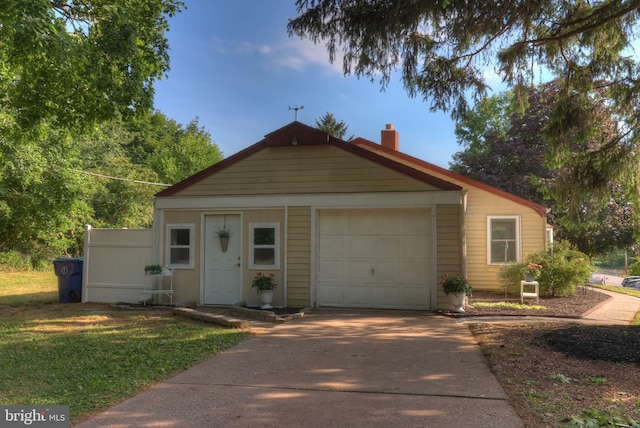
(358, 271)
(388, 223)
(385, 247)
(333, 245)
(332, 295)
(334, 269)
(415, 223)
(412, 294)
(357, 296)
(384, 296)
(412, 272)
(374, 259)
(333, 225)
(414, 245)
(359, 224)
(358, 246)
(385, 271)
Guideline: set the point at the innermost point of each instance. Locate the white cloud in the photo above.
(298, 54)
(289, 54)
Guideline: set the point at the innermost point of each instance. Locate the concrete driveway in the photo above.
(332, 368)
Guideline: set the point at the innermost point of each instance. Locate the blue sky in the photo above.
(234, 66)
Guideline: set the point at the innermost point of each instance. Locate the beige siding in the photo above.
(449, 246)
(303, 169)
(299, 253)
(249, 295)
(480, 205)
(186, 282)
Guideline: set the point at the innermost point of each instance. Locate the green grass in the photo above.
(89, 356)
(19, 288)
(511, 305)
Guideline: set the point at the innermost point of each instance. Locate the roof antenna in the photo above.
(296, 108)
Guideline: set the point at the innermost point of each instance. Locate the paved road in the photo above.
(596, 278)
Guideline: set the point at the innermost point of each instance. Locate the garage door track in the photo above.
(332, 368)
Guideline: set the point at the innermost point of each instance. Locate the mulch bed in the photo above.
(574, 306)
(618, 344)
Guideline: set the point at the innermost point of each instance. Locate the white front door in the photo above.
(374, 258)
(222, 280)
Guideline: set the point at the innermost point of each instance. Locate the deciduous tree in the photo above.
(73, 62)
(518, 161)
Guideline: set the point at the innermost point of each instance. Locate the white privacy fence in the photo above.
(113, 267)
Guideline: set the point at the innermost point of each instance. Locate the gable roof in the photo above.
(299, 134)
(388, 152)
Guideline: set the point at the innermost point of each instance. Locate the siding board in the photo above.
(299, 256)
(316, 169)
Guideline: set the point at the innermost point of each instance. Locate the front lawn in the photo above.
(90, 356)
(17, 288)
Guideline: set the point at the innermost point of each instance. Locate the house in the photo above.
(339, 224)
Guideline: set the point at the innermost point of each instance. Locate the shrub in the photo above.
(11, 261)
(562, 270)
(634, 269)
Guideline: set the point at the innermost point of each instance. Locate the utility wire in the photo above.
(120, 178)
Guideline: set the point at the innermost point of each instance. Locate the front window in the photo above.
(503, 239)
(180, 242)
(265, 239)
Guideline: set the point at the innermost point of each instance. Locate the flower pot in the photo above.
(529, 278)
(266, 297)
(457, 301)
(224, 244)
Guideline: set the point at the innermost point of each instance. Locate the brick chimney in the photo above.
(390, 137)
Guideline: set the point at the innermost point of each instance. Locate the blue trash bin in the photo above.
(69, 273)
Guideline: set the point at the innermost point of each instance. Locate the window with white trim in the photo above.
(180, 245)
(264, 245)
(503, 239)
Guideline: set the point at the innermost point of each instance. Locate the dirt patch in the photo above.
(553, 371)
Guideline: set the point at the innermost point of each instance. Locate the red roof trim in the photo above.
(361, 142)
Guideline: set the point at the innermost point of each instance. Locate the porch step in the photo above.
(212, 318)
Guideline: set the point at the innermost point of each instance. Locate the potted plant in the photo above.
(153, 269)
(265, 284)
(531, 271)
(223, 235)
(458, 288)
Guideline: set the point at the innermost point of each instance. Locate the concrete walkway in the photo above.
(332, 368)
(336, 368)
(621, 309)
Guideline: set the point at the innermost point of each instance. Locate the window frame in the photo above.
(275, 246)
(169, 246)
(518, 238)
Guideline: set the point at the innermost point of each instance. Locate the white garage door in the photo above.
(374, 259)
